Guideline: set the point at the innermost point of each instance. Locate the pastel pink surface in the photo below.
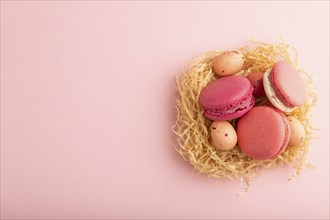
(227, 98)
(263, 133)
(87, 105)
(288, 84)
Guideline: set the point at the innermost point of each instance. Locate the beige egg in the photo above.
(297, 132)
(228, 63)
(223, 135)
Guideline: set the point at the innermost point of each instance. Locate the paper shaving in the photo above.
(192, 128)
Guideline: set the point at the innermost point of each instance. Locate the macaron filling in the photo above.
(233, 109)
(272, 95)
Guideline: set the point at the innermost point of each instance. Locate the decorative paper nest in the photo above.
(193, 129)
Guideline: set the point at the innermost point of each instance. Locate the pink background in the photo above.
(87, 105)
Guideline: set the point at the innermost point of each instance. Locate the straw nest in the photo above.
(192, 128)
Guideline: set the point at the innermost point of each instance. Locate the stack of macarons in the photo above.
(262, 132)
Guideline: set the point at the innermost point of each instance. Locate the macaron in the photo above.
(263, 133)
(227, 98)
(284, 87)
(256, 79)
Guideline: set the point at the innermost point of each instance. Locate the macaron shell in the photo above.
(256, 79)
(225, 92)
(288, 84)
(242, 109)
(227, 98)
(263, 133)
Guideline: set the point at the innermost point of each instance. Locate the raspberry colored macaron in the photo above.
(284, 87)
(227, 98)
(263, 133)
(256, 79)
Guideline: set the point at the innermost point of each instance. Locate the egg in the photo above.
(223, 135)
(256, 79)
(228, 63)
(297, 132)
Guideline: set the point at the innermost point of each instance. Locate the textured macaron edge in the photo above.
(215, 114)
(286, 132)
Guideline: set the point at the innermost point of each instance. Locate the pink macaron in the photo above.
(284, 87)
(227, 98)
(256, 79)
(263, 133)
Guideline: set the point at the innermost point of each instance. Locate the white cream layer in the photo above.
(271, 94)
